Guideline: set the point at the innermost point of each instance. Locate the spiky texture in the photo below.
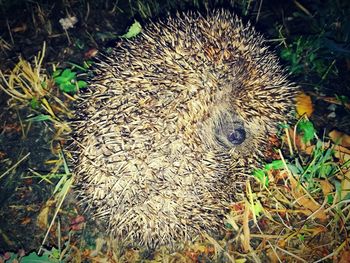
(153, 157)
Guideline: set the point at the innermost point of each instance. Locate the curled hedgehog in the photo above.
(171, 124)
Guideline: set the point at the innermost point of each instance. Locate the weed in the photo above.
(67, 81)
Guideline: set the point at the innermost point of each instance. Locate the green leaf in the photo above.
(301, 237)
(81, 84)
(34, 103)
(67, 73)
(258, 208)
(34, 258)
(44, 84)
(134, 30)
(307, 129)
(285, 54)
(66, 76)
(74, 65)
(275, 165)
(262, 177)
(56, 73)
(41, 117)
(330, 199)
(68, 87)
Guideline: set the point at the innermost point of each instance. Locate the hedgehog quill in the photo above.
(172, 123)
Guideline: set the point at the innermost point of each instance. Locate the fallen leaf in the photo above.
(20, 29)
(305, 200)
(77, 223)
(317, 230)
(345, 256)
(26, 221)
(340, 138)
(304, 105)
(91, 53)
(342, 153)
(345, 186)
(42, 219)
(274, 258)
(326, 187)
(2, 155)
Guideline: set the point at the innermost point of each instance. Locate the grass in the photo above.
(29, 86)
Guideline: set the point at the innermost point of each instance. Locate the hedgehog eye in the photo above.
(237, 136)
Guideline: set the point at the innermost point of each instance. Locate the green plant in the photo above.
(262, 174)
(306, 129)
(305, 56)
(48, 256)
(67, 81)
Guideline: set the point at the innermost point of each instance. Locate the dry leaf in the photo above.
(305, 200)
(326, 187)
(26, 221)
(42, 219)
(304, 105)
(345, 256)
(340, 138)
(342, 153)
(345, 185)
(274, 258)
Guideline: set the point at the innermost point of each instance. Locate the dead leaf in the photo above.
(77, 223)
(26, 221)
(332, 100)
(345, 256)
(306, 201)
(281, 243)
(342, 153)
(20, 29)
(317, 230)
(326, 187)
(340, 138)
(345, 185)
(42, 219)
(274, 258)
(304, 105)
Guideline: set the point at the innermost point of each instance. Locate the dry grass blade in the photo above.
(25, 82)
(29, 84)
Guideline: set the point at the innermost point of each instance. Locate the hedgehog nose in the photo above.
(237, 136)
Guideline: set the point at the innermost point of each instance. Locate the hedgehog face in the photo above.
(230, 131)
(173, 120)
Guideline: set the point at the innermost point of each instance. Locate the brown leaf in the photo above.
(345, 256)
(42, 219)
(345, 185)
(340, 138)
(342, 153)
(304, 105)
(326, 187)
(26, 221)
(274, 258)
(306, 201)
(20, 29)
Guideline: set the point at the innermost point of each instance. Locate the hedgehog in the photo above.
(172, 124)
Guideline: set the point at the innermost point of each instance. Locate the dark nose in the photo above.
(237, 136)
